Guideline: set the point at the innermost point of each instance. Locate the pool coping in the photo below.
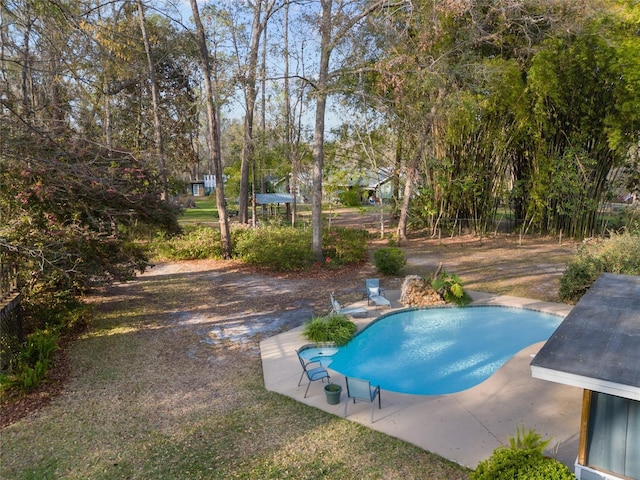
(464, 427)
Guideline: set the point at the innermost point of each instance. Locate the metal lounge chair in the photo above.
(374, 293)
(312, 372)
(336, 308)
(359, 389)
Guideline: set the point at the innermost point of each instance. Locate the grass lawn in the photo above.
(206, 211)
(148, 398)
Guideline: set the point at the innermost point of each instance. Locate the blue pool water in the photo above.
(437, 351)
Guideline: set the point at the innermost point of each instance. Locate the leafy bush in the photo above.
(40, 347)
(345, 246)
(523, 460)
(389, 260)
(276, 248)
(48, 314)
(528, 440)
(508, 464)
(350, 198)
(33, 362)
(548, 469)
(618, 254)
(195, 242)
(449, 286)
(335, 327)
(285, 248)
(47, 306)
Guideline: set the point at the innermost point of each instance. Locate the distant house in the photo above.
(378, 183)
(196, 188)
(597, 348)
(303, 183)
(199, 188)
(372, 183)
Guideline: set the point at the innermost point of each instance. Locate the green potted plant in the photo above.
(333, 392)
(449, 286)
(333, 328)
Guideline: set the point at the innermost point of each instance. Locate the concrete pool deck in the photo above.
(464, 427)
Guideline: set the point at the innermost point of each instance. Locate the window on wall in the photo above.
(614, 435)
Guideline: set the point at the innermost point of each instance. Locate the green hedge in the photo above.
(276, 247)
(195, 242)
(389, 260)
(344, 246)
(522, 460)
(351, 197)
(508, 464)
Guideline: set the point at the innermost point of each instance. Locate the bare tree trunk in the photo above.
(263, 122)
(328, 40)
(25, 73)
(250, 102)
(293, 185)
(411, 174)
(106, 117)
(404, 209)
(318, 134)
(296, 138)
(155, 97)
(214, 133)
(396, 174)
(293, 125)
(251, 93)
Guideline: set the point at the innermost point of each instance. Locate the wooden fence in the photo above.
(8, 279)
(11, 319)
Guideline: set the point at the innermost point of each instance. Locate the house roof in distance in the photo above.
(597, 346)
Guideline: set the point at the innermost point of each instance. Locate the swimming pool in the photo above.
(438, 351)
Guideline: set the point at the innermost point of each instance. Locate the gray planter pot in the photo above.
(333, 397)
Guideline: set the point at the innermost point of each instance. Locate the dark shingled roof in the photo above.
(597, 346)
